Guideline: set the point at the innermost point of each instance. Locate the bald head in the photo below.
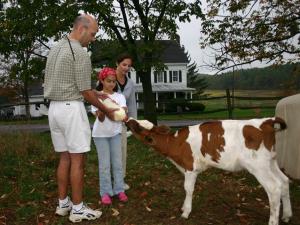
(83, 20)
(84, 30)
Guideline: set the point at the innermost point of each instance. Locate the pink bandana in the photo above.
(105, 72)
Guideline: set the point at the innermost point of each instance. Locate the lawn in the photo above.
(28, 189)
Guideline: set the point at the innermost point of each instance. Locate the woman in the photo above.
(126, 87)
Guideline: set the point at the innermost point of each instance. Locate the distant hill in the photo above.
(269, 78)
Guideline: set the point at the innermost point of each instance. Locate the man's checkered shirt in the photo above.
(64, 77)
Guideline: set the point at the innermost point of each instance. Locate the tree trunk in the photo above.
(148, 96)
(26, 84)
(26, 98)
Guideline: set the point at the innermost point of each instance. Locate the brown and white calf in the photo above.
(230, 145)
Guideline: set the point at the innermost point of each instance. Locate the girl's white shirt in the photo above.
(108, 128)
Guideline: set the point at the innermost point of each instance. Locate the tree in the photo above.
(26, 27)
(194, 80)
(124, 21)
(145, 21)
(252, 30)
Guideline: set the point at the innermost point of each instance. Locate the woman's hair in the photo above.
(123, 56)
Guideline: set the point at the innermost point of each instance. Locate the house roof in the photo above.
(173, 52)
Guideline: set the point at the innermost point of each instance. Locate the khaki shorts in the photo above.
(69, 126)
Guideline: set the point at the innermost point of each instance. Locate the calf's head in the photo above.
(147, 132)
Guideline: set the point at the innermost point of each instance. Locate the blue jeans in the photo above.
(110, 159)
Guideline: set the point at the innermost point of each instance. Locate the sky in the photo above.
(190, 37)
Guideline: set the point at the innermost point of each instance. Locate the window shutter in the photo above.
(170, 76)
(180, 76)
(165, 77)
(155, 76)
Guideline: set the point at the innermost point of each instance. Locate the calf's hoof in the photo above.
(185, 215)
(286, 219)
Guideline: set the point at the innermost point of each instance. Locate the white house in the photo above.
(36, 98)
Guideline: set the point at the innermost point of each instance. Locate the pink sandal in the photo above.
(106, 200)
(122, 197)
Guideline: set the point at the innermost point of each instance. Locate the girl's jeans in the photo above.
(110, 159)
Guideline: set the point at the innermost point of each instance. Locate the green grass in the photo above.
(28, 191)
(28, 184)
(237, 114)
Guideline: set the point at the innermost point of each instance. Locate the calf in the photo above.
(231, 145)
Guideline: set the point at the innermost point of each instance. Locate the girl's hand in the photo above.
(126, 110)
(125, 119)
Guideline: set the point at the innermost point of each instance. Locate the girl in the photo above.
(107, 138)
(126, 87)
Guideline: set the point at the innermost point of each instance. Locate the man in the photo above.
(67, 83)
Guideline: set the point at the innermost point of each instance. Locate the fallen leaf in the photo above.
(148, 209)
(32, 191)
(42, 215)
(143, 194)
(115, 212)
(3, 196)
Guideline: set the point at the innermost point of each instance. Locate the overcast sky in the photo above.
(190, 36)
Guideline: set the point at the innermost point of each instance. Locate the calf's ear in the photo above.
(162, 129)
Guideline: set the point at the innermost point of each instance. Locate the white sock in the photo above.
(64, 201)
(78, 206)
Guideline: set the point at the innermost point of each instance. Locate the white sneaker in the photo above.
(64, 209)
(85, 213)
(126, 187)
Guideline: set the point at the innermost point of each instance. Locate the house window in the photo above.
(159, 76)
(175, 76)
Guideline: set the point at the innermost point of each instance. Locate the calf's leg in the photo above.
(189, 184)
(272, 185)
(285, 192)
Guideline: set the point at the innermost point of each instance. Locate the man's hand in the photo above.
(92, 96)
(100, 115)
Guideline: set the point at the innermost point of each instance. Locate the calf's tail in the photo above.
(279, 124)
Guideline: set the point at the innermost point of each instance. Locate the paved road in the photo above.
(45, 127)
